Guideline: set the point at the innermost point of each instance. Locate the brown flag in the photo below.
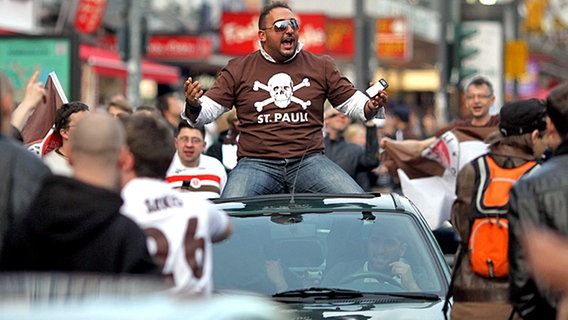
(417, 165)
(41, 121)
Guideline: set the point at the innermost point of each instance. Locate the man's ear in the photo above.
(262, 35)
(534, 136)
(64, 133)
(125, 159)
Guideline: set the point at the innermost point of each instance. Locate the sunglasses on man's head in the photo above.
(282, 25)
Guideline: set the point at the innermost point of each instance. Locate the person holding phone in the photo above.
(279, 92)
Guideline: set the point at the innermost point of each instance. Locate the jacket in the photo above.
(354, 159)
(468, 286)
(21, 174)
(542, 200)
(73, 226)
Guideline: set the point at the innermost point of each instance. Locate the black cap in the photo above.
(402, 112)
(522, 116)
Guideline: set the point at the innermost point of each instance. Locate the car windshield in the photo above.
(366, 252)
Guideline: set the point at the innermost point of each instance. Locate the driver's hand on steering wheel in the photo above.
(404, 271)
(276, 274)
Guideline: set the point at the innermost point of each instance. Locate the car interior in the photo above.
(308, 248)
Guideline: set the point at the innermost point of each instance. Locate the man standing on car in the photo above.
(279, 93)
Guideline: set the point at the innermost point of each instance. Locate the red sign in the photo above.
(89, 15)
(171, 47)
(340, 40)
(393, 39)
(239, 32)
(312, 32)
(179, 47)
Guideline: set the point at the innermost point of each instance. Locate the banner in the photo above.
(428, 178)
(38, 131)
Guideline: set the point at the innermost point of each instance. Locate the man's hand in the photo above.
(33, 95)
(404, 271)
(542, 247)
(374, 104)
(192, 91)
(276, 274)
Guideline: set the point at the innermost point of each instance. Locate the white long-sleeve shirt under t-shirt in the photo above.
(179, 227)
(280, 106)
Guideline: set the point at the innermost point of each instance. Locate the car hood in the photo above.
(369, 309)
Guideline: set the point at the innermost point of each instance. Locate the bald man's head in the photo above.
(98, 139)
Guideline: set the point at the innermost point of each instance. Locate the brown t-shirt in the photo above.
(493, 122)
(280, 105)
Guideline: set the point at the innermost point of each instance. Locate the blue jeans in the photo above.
(316, 173)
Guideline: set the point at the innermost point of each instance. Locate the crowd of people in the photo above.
(126, 177)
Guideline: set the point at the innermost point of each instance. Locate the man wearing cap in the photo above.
(540, 200)
(518, 141)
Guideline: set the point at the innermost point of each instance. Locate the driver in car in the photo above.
(385, 262)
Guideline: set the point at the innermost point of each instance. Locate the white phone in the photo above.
(378, 86)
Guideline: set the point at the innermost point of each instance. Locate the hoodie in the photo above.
(73, 226)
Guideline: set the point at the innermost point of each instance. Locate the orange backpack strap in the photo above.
(491, 193)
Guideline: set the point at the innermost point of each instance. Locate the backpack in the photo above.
(488, 240)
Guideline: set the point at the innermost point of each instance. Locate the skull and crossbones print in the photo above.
(281, 90)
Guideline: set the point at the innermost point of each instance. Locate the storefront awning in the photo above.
(108, 63)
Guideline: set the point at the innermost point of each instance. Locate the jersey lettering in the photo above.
(162, 203)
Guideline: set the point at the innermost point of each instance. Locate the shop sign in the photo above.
(89, 15)
(393, 39)
(239, 32)
(179, 47)
(340, 41)
(171, 47)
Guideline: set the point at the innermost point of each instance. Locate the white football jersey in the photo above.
(208, 178)
(179, 227)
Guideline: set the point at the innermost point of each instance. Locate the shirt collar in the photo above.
(269, 58)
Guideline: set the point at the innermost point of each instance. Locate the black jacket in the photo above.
(356, 161)
(540, 199)
(73, 226)
(21, 173)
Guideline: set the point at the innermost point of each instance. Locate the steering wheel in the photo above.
(381, 277)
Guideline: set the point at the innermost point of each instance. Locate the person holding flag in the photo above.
(431, 165)
(21, 172)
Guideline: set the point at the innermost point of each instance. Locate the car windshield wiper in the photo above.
(319, 292)
(334, 293)
(411, 295)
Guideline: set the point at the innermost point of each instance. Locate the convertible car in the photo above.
(334, 256)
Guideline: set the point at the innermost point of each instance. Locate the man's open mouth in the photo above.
(288, 43)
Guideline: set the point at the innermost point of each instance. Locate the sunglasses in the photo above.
(282, 25)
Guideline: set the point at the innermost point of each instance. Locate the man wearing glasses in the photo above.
(279, 92)
(190, 169)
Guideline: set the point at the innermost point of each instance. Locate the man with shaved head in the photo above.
(74, 223)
